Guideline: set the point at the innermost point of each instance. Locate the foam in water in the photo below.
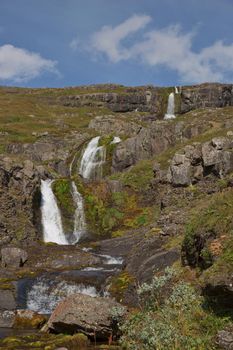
(79, 215)
(46, 294)
(92, 160)
(171, 107)
(111, 260)
(51, 216)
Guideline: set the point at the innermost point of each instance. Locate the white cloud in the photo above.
(17, 64)
(108, 39)
(75, 43)
(169, 47)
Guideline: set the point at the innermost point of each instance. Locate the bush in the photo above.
(169, 318)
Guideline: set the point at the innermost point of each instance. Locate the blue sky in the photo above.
(60, 43)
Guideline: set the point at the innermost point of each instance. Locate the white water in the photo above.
(51, 216)
(45, 295)
(116, 139)
(171, 107)
(79, 215)
(176, 90)
(92, 160)
(111, 260)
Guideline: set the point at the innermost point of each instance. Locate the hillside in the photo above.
(163, 198)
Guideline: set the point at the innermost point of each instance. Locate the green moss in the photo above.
(139, 177)
(212, 219)
(120, 283)
(62, 191)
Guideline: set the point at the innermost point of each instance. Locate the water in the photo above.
(92, 160)
(51, 216)
(46, 293)
(116, 139)
(176, 90)
(171, 107)
(79, 215)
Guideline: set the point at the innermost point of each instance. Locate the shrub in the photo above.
(169, 318)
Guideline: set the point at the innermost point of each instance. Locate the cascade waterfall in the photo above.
(171, 107)
(92, 160)
(79, 215)
(51, 216)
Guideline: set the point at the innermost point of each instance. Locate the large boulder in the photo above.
(13, 257)
(7, 300)
(82, 313)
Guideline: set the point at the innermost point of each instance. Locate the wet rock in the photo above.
(28, 319)
(7, 319)
(13, 257)
(82, 313)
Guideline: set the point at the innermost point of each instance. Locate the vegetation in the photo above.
(209, 229)
(171, 317)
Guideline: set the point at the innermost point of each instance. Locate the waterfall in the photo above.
(176, 90)
(116, 139)
(171, 107)
(79, 215)
(45, 293)
(51, 216)
(92, 160)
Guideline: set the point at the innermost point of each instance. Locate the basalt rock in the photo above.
(20, 200)
(85, 314)
(152, 141)
(13, 257)
(206, 96)
(196, 161)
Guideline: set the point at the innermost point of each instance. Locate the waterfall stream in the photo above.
(51, 216)
(92, 160)
(79, 215)
(171, 107)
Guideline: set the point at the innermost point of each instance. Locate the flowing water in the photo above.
(51, 216)
(79, 215)
(92, 160)
(171, 107)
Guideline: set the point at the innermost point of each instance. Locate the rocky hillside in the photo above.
(165, 197)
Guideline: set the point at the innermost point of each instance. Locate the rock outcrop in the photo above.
(206, 96)
(20, 200)
(196, 161)
(82, 313)
(151, 141)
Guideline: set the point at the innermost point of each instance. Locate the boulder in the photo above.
(7, 300)
(224, 339)
(7, 319)
(82, 313)
(28, 319)
(13, 257)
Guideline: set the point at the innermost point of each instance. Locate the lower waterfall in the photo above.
(79, 215)
(51, 216)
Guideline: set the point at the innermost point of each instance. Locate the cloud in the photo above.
(75, 44)
(20, 65)
(108, 39)
(169, 47)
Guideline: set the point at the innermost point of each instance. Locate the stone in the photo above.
(13, 257)
(83, 313)
(224, 339)
(28, 319)
(7, 319)
(7, 300)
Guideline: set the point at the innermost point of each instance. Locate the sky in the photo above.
(58, 43)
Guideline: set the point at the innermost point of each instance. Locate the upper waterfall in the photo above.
(92, 160)
(51, 216)
(170, 107)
